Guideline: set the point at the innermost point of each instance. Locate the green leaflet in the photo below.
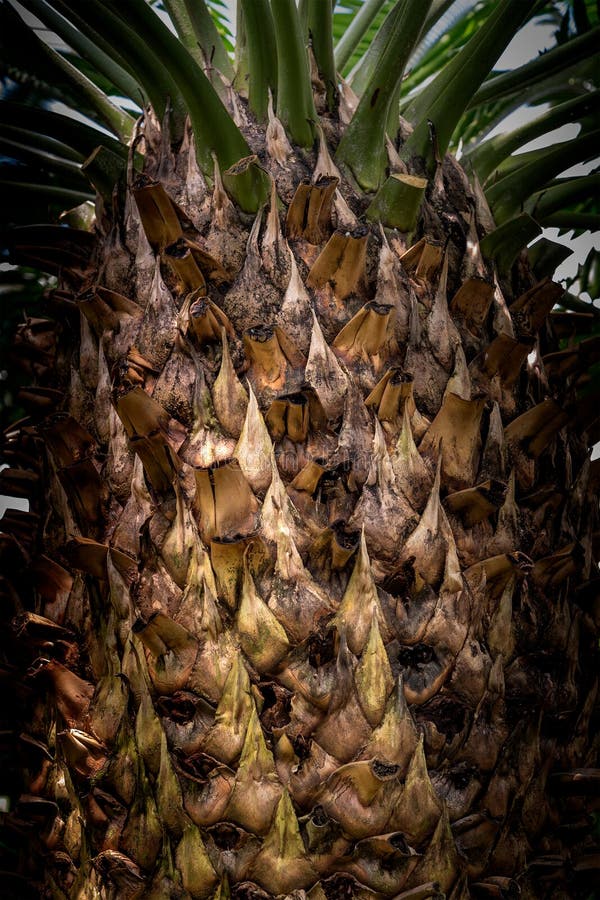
(508, 194)
(60, 77)
(486, 156)
(87, 48)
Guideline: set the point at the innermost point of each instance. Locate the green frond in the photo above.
(23, 51)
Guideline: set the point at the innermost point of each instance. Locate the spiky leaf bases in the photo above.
(304, 604)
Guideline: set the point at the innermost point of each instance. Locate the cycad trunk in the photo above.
(309, 611)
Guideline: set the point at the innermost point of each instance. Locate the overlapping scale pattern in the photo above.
(313, 610)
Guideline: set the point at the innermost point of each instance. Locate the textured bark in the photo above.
(306, 603)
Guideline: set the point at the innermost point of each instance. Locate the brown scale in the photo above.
(205, 319)
(298, 427)
(72, 450)
(309, 213)
(274, 361)
(35, 345)
(337, 279)
(157, 212)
